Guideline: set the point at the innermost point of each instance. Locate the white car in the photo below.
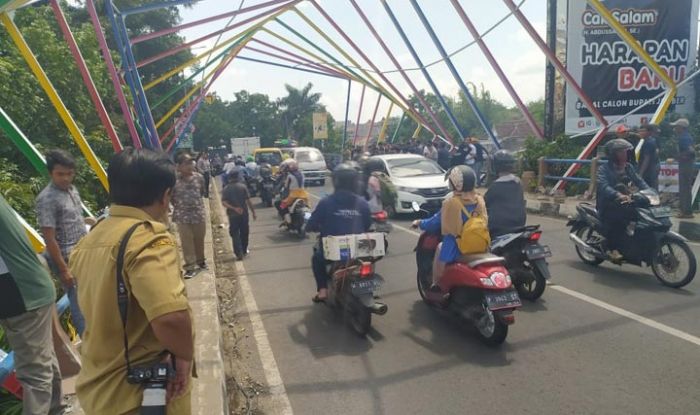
(311, 163)
(417, 179)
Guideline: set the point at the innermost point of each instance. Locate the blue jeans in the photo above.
(76, 315)
(477, 166)
(239, 229)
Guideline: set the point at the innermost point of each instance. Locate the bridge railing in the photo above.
(543, 174)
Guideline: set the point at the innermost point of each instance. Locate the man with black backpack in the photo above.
(464, 155)
(380, 191)
(479, 158)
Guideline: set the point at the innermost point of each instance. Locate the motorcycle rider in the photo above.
(291, 190)
(342, 213)
(373, 167)
(614, 198)
(505, 200)
(251, 167)
(451, 218)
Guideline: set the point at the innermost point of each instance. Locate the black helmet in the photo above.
(265, 170)
(240, 162)
(374, 164)
(503, 161)
(345, 177)
(363, 159)
(461, 178)
(616, 145)
(354, 165)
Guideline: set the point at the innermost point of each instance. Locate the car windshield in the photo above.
(413, 167)
(308, 156)
(272, 158)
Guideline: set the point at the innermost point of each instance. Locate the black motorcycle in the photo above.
(351, 291)
(266, 185)
(526, 260)
(648, 240)
(380, 223)
(252, 184)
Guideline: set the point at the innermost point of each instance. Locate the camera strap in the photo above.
(122, 292)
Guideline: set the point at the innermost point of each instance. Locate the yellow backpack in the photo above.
(475, 237)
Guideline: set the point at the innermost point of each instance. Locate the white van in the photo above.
(311, 163)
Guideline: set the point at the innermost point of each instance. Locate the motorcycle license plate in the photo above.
(384, 227)
(365, 286)
(502, 299)
(537, 251)
(661, 212)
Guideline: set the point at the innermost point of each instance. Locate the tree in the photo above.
(27, 104)
(247, 115)
(297, 109)
(536, 108)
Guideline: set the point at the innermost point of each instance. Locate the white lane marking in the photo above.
(632, 316)
(273, 378)
(609, 307)
(407, 230)
(278, 393)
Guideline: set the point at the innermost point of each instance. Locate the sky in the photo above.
(520, 59)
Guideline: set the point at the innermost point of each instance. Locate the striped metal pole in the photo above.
(485, 124)
(85, 73)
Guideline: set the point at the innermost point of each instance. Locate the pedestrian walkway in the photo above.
(209, 389)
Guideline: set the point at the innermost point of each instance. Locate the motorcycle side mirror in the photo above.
(415, 206)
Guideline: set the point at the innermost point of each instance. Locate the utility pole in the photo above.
(550, 73)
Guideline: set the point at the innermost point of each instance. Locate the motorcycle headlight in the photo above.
(652, 197)
(654, 200)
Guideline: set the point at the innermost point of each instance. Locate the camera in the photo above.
(156, 373)
(154, 379)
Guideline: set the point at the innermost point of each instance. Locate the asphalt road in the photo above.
(606, 340)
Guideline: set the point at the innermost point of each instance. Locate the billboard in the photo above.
(320, 121)
(613, 76)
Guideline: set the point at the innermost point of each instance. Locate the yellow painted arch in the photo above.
(55, 99)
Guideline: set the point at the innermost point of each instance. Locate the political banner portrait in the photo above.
(611, 73)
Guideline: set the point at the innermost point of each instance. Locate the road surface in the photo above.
(606, 340)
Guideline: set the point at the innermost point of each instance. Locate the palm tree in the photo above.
(297, 108)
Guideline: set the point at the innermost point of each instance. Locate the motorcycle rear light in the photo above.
(535, 236)
(486, 282)
(381, 216)
(508, 318)
(497, 280)
(366, 270)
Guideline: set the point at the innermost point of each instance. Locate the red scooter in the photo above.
(477, 289)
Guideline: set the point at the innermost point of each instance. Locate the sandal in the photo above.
(316, 299)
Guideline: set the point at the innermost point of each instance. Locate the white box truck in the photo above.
(244, 146)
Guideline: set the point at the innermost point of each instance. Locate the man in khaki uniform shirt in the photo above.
(158, 316)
